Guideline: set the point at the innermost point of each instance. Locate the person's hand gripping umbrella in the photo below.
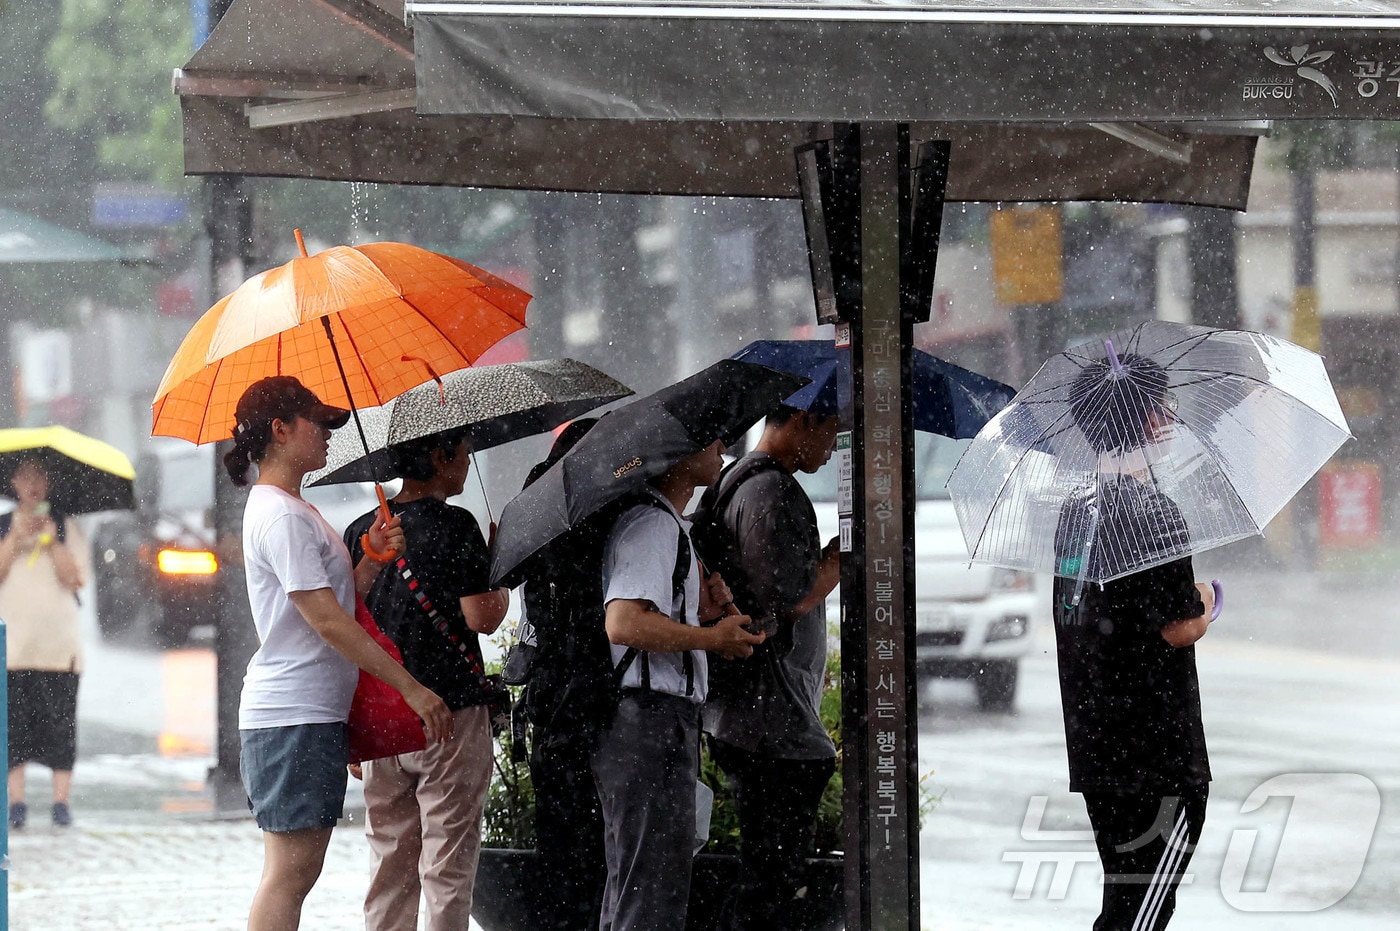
(358, 325)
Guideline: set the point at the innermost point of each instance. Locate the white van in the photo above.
(973, 621)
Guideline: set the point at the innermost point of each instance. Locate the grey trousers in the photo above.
(645, 765)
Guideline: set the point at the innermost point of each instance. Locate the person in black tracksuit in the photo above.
(1128, 683)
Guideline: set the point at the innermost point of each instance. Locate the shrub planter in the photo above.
(504, 879)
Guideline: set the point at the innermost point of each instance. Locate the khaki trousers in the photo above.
(423, 821)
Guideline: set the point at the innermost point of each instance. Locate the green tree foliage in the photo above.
(112, 62)
(43, 168)
(1333, 145)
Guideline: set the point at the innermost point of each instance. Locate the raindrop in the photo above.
(355, 198)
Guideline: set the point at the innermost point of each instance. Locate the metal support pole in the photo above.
(1307, 325)
(552, 275)
(879, 717)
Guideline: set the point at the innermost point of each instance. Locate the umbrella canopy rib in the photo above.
(1188, 439)
(385, 308)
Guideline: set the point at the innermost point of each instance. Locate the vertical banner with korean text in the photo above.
(880, 753)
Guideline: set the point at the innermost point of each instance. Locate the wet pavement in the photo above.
(147, 852)
(1302, 676)
(1300, 680)
(163, 873)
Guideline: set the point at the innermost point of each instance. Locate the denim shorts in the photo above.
(295, 776)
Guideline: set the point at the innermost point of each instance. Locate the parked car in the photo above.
(972, 621)
(155, 571)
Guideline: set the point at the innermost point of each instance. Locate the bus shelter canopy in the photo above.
(1141, 100)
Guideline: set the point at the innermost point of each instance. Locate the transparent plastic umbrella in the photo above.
(1152, 444)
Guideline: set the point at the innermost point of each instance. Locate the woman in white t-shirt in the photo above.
(297, 691)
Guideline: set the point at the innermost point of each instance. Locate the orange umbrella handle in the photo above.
(384, 518)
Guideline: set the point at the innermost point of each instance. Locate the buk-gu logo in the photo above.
(1302, 61)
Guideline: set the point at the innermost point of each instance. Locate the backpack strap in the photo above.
(708, 517)
(732, 478)
(60, 523)
(679, 574)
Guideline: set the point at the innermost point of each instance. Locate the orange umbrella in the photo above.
(396, 315)
(358, 325)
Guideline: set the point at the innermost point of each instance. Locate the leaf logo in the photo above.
(1301, 60)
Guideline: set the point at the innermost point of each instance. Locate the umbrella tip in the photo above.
(301, 243)
(1113, 361)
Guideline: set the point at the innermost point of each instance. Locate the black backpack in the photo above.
(715, 545)
(571, 685)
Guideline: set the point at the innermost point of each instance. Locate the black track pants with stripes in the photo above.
(1145, 842)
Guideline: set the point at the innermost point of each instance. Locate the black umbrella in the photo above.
(631, 445)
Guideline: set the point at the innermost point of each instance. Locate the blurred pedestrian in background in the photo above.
(423, 809)
(43, 563)
(297, 691)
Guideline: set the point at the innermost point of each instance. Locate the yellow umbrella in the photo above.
(85, 474)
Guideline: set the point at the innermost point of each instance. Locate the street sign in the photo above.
(136, 206)
(1027, 255)
(1350, 497)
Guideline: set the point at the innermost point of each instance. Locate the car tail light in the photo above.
(187, 562)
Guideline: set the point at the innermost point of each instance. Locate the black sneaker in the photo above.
(62, 817)
(19, 814)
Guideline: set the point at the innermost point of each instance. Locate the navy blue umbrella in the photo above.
(948, 400)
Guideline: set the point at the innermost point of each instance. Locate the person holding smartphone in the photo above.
(43, 563)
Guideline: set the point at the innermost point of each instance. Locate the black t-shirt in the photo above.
(767, 548)
(1132, 703)
(447, 554)
(775, 540)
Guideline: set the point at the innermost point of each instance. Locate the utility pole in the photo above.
(1210, 246)
(1306, 332)
(229, 225)
(228, 222)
